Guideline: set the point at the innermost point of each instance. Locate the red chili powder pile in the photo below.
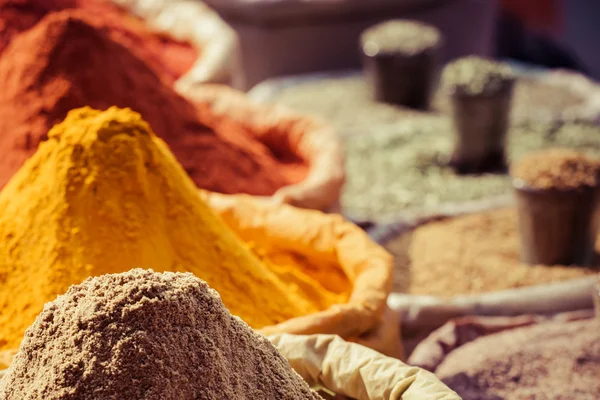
(168, 57)
(65, 62)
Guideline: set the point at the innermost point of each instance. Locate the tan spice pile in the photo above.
(151, 336)
(556, 360)
(470, 254)
(557, 168)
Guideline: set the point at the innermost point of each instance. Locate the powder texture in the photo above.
(561, 169)
(399, 36)
(470, 254)
(476, 76)
(549, 361)
(166, 56)
(65, 62)
(102, 194)
(151, 336)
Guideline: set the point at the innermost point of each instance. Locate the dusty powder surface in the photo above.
(146, 335)
(560, 169)
(549, 361)
(470, 254)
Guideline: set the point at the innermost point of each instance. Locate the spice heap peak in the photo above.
(103, 195)
(66, 61)
(147, 335)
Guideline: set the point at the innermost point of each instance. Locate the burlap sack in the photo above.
(194, 22)
(430, 353)
(306, 137)
(323, 238)
(357, 372)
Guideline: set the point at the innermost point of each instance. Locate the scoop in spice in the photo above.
(146, 335)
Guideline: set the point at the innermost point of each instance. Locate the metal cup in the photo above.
(480, 124)
(557, 227)
(405, 80)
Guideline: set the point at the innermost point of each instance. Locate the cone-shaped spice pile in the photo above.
(146, 335)
(103, 195)
(66, 62)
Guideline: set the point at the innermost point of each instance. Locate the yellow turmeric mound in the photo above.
(104, 195)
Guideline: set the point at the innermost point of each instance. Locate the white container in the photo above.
(286, 37)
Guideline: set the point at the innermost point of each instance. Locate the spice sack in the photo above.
(304, 138)
(357, 372)
(196, 23)
(349, 264)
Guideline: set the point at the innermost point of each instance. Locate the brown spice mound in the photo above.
(146, 335)
(561, 169)
(470, 254)
(549, 361)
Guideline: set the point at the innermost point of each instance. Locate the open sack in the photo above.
(323, 238)
(430, 353)
(305, 137)
(193, 22)
(422, 314)
(357, 372)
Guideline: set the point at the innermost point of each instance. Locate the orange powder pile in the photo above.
(103, 195)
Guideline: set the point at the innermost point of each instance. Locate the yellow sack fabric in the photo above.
(317, 239)
(304, 137)
(6, 357)
(357, 372)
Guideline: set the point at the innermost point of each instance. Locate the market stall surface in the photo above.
(397, 159)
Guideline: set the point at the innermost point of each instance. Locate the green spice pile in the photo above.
(396, 158)
(470, 254)
(401, 37)
(473, 76)
(406, 167)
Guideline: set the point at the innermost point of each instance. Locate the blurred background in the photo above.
(324, 34)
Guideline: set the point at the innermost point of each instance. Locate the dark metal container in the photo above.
(481, 124)
(558, 227)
